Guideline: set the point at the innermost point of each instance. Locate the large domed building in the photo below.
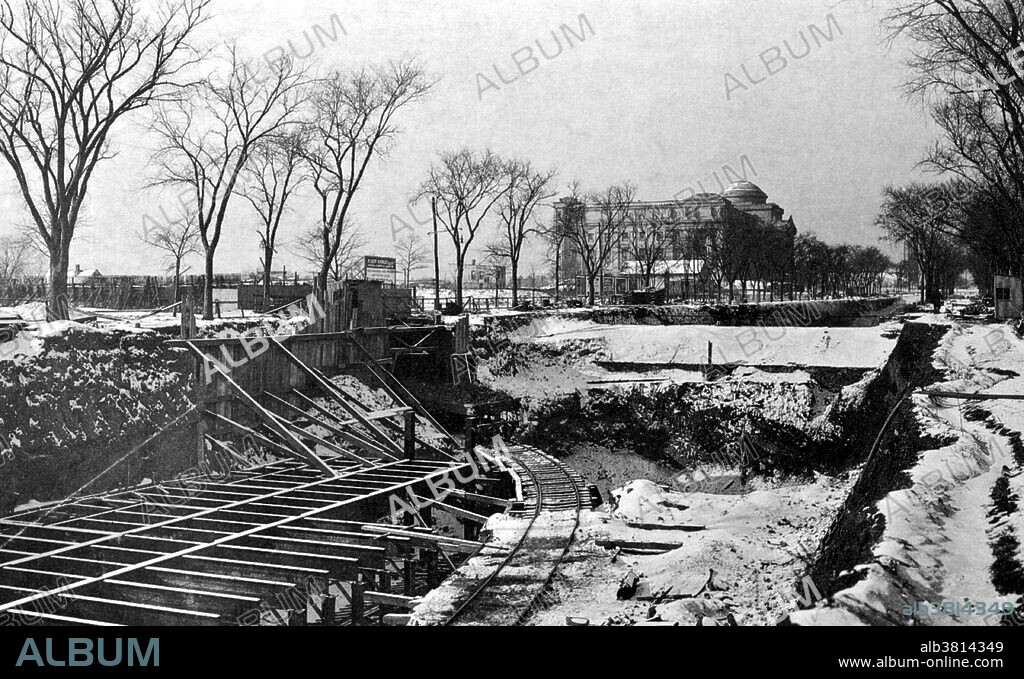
(680, 230)
(745, 192)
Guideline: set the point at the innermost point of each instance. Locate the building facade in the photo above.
(485, 276)
(677, 243)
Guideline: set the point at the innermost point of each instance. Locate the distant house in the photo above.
(81, 275)
(485, 276)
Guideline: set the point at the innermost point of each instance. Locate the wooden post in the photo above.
(357, 602)
(408, 576)
(470, 433)
(429, 557)
(410, 435)
(383, 585)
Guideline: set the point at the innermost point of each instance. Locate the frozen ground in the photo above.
(704, 557)
(712, 555)
(29, 343)
(752, 345)
(572, 355)
(935, 547)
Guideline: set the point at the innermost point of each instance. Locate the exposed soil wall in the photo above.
(92, 411)
(830, 313)
(858, 525)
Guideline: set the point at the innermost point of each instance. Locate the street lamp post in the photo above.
(437, 266)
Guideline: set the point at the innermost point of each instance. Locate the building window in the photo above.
(1003, 293)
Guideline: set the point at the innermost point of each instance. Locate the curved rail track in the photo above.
(515, 589)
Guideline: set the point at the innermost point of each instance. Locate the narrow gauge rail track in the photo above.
(512, 592)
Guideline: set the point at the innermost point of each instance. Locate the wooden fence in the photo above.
(111, 292)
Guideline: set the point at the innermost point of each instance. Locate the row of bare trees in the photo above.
(716, 254)
(967, 71)
(265, 130)
(72, 70)
(465, 187)
(822, 270)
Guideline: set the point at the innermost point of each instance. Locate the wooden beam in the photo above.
(228, 450)
(55, 620)
(454, 511)
(236, 567)
(211, 582)
(332, 391)
(385, 599)
(300, 450)
(389, 424)
(937, 393)
(398, 390)
(465, 546)
(189, 555)
(222, 603)
(337, 566)
(483, 499)
(259, 438)
(302, 433)
(350, 435)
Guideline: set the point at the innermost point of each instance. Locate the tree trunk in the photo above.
(208, 288)
(515, 281)
(321, 279)
(460, 263)
(57, 295)
(591, 288)
(268, 260)
(177, 285)
(557, 280)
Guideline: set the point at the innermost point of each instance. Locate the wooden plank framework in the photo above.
(198, 551)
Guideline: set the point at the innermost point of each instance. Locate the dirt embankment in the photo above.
(93, 410)
(831, 313)
(858, 526)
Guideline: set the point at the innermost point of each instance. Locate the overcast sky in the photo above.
(655, 94)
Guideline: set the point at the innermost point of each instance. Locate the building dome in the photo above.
(745, 192)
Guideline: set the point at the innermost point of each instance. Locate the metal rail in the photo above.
(548, 481)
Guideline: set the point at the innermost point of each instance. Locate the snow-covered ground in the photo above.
(712, 556)
(709, 556)
(751, 345)
(935, 547)
(29, 343)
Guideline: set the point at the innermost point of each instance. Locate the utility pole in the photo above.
(437, 266)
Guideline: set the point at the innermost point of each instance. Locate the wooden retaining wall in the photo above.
(271, 371)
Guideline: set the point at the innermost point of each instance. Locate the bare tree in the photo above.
(353, 122)
(273, 175)
(649, 240)
(177, 240)
(208, 138)
(340, 265)
(920, 216)
(15, 256)
(69, 71)
(967, 62)
(595, 240)
(466, 185)
(411, 255)
(525, 188)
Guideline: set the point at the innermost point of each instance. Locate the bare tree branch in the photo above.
(69, 71)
